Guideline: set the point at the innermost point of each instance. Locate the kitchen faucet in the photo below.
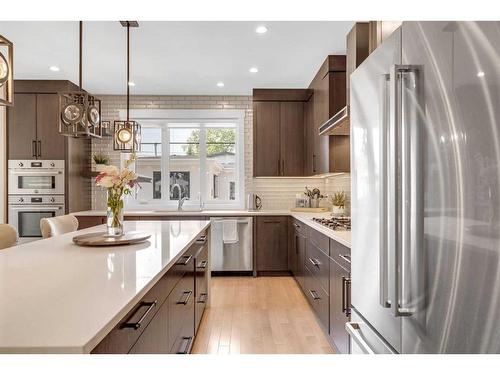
(181, 199)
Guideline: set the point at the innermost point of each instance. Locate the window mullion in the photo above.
(165, 164)
(203, 163)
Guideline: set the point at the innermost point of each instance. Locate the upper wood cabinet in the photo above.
(50, 144)
(329, 96)
(22, 127)
(278, 132)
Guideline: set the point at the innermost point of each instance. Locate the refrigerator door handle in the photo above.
(405, 151)
(383, 245)
(353, 329)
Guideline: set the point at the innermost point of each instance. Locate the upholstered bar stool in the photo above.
(54, 226)
(8, 236)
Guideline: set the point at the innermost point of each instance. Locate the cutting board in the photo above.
(308, 209)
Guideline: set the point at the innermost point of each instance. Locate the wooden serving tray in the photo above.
(309, 209)
(102, 239)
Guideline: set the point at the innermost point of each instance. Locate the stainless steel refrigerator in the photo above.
(425, 155)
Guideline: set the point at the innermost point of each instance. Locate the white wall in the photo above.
(3, 162)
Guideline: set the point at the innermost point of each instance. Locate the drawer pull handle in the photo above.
(314, 294)
(201, 240)
(203, 298)
(314, 262)
(137, 325)
(187, 294)
(187, 341)
(346, 257)
(346, 299)
(184, 262)
(202, 265)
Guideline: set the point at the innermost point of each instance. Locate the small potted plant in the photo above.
(338, 200)
(101, 161)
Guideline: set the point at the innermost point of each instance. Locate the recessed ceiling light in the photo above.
(253, 69)
(131, 84)
(480, 74)
(220, 84)
(54, 68)
(261, 29)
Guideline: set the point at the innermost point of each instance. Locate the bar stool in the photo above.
(54, 226)
(8, 236)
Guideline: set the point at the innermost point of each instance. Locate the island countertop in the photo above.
(57, 297)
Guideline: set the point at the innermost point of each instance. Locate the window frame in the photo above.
(161, 118)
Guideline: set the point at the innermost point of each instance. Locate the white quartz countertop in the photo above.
(187, 212)
(56, 297)
(344, 237)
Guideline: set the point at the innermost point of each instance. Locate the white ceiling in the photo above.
(174, 58)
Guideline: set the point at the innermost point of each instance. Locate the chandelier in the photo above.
(127, 133)
(80, 112)
(6, 74)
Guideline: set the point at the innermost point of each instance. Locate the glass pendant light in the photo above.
(80, 112)
(127, 133)
(6, 75)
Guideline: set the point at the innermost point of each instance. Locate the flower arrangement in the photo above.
(118, 183)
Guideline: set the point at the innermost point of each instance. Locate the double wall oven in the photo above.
(36, 191)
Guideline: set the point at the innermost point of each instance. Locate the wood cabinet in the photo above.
(271, 244)
(279, 146)
(329, 96)
(33, 133)
(33, 128)
(202, 268)
(164, 320)
(266, 138)
(339, 305)
(22, 127)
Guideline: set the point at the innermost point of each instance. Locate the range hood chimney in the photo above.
(357, 46)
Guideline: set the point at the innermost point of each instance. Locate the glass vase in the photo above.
(114, 213)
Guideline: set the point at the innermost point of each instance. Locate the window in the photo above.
(202, 158)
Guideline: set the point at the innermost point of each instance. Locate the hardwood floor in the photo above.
(264, 315)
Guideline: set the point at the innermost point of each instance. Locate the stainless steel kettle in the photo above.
(254, 202)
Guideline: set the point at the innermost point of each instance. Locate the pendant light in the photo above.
(127, 133)
(80, 112)
(6, 74)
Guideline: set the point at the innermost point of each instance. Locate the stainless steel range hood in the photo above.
(338, 124)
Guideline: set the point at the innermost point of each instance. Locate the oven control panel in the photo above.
(36, 199)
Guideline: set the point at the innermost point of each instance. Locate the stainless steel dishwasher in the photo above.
(232, 258)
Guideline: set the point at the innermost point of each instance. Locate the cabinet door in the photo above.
(339, 306)
(292, 138)
(272, 243)
(154, 339)
(301, 256)
(201, 286)
(266, 138)
(22, 127)
(51, 145)
(293, 251)
(309, 167)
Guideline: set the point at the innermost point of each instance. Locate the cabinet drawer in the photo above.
(341, 254)
(181, 314)
(123, 336)
(320, 240)
(299, 226)
(319, 300)
(318, 264)
(201, 291)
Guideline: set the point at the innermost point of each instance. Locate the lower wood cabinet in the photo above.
(200, 285)
(271, 244)
(164, 320)
(297, 251)
(339, 306)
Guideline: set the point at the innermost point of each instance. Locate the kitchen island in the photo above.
(57, 297)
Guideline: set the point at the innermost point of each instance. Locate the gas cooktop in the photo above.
(335, 223)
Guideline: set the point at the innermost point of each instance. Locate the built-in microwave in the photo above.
(36, 177)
